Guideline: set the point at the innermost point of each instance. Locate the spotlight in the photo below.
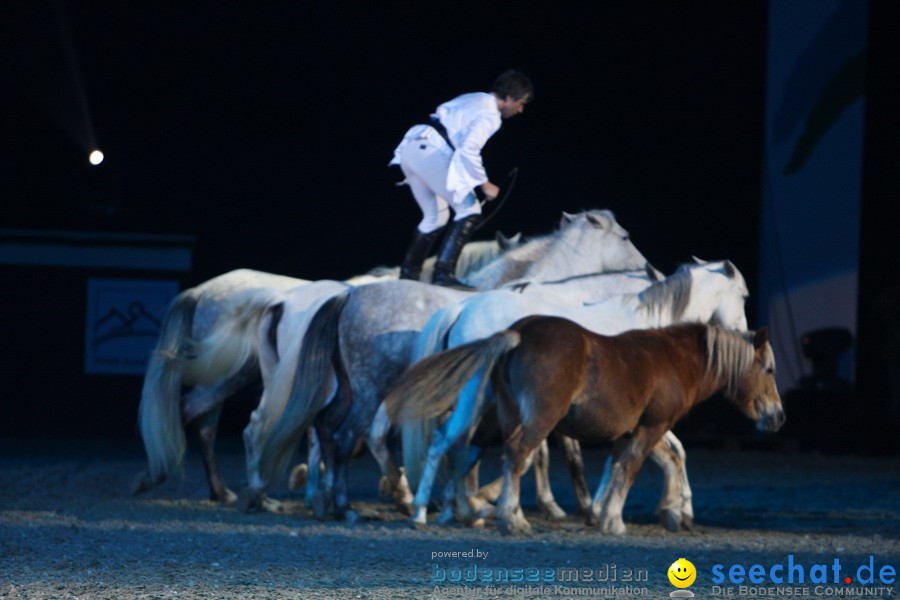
(96, 157)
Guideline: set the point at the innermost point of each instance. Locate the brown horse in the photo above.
(550, 373)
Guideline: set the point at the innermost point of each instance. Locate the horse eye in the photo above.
(770, 371)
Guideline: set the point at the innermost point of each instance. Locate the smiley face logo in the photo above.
(682, 573)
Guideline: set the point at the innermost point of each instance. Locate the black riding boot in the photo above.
(417, 253)
(457, 236)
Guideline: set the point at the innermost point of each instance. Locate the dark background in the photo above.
(265, 130)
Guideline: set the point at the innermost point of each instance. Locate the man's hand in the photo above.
(490, 190)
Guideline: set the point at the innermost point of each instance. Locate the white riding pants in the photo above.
(425, 161)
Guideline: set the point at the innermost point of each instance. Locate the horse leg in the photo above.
(448, 499)
(575, 464)
(510, 518)
(341, 502)
(321, 497)
(491, 491)
(393, 481)
(456, 502)
(203, 404)
(545, 500)
(669, 509)
(440, 443)
(687, 503)
(308, 474)
(628, 456)
(521, 438)
(480, 505)
(203, 399)
(447, 435)
(207, 427)
(464, 463)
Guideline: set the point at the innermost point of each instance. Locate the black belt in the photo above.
(436, 124)
(439, 127)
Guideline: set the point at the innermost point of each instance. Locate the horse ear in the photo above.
(699, 261)
(730, 269)
(506, 243)
(566, 218)
(761, 337)
(599, 221)
(653, 273)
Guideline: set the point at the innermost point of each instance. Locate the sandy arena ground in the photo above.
(70, 529)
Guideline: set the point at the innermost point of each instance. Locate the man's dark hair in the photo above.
(513, 83)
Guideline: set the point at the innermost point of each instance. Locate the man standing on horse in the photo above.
(442, 164)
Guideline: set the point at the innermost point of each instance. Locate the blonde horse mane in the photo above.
(729, 354)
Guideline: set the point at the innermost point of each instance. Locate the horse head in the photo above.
(718, 294)
(757, 395)
(598, 243)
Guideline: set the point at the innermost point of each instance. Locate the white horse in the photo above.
(215, 366)
(705, 292)
(361, 340)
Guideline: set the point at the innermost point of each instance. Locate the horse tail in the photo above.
(233, 342)
(430, 387)
(291, 413)
(416, 434)
(159, 412)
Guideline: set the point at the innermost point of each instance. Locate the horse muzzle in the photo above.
(771, 420)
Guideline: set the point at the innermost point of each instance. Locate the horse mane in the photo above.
(382, 271)
(519, 262)
(672, 293)
(729, 354)
(510, 265)
(476, 255)
(533, 246)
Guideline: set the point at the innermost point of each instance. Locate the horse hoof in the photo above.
(553, 511)
(299, 476)
(513, 526)
(687, 523)
(271, 505)
(670, 519)
(405, 508)
(249, 500)
(141, 483)
(226, 498)
(402, 495)
(415, 523)
(477, 524)
(612, 526)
